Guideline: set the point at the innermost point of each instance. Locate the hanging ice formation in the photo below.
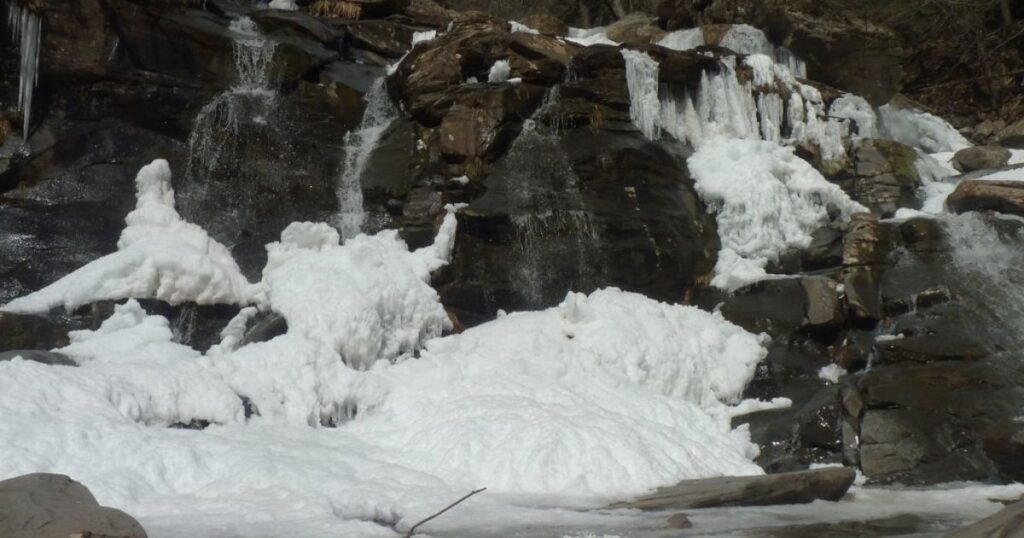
(26, 28)
(773, 105)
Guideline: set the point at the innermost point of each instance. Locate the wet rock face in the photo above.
(883, 177)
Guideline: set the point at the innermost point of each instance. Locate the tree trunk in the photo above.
(1004, 6)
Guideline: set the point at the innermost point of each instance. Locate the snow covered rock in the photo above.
(54, 506)
(159, 256)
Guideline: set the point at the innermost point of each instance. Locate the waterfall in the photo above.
(553, 231)
(26, 28)
(359, 146)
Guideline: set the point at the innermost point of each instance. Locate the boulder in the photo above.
(980, 158)
(55, 506)
(634, 30)
(1007, 522)
(981, 195)
(1011, 136)
(823, 306)
(884, 176)
(23, 331)
(829, 484)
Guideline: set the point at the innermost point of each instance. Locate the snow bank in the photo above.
(919, 129)
(159, 256)
(770, 204)
(602, 395)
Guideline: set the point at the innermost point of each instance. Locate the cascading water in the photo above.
(215, 140)
(26, 28)
(359, 146)
(554, 233)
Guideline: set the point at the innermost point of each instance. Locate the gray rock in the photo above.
(1006, 523)
(980, 158)
(55, 506)
(823, 306)
(44, 357)
(798, 487)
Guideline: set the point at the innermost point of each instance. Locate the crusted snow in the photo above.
(499, 72)
(831, 373)
(528, 405)
(919, 129)
(589, 36)
(159, 256)
(771, 204)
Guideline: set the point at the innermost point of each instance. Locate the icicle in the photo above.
(642, 80)
(26, 29)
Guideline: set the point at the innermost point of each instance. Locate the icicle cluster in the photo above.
(26, 28)
(773, 105)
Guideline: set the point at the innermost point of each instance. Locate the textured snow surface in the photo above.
(918, 129)
(159, 256)
(499, 72)
(770, 204)
(604, 396)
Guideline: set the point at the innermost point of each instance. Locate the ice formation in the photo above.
(26, 28)
(159, 256)
(767, 206)
(919, 129)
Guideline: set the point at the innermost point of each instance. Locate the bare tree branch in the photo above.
(412, 531)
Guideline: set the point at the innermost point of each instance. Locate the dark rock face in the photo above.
(19, 331)
(840, 51)
(55, 506)
(828, 484)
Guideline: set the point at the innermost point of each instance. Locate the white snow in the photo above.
(919, 129)
(159, 256)
(499, 72)
(1012, 174)
(589, 36)
(519, 27)
(283, 4)
(769, 205)
(831, 373)
(423, 36)
(687, 39)
(857, 110)
(745, 39)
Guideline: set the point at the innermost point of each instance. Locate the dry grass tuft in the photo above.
(338, 9)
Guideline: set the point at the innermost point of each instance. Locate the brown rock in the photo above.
(635, 29)
(798, 487)
(679, 521)
(546, 24)
(1011, 136)
(980, 158)
(980, 195)
(55, 506)
(823, 306)
(867, 242)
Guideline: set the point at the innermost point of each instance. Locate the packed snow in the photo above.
(159, 256)
(529, 405)
(771, 204)
(919, 129)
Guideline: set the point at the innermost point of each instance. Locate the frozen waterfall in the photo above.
(26, 28)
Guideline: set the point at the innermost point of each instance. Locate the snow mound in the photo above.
(367, 300)
(918, 129)
(159, 256)
(538, 402)
(767, 206)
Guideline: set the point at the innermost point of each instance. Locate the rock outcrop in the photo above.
(982, 195)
